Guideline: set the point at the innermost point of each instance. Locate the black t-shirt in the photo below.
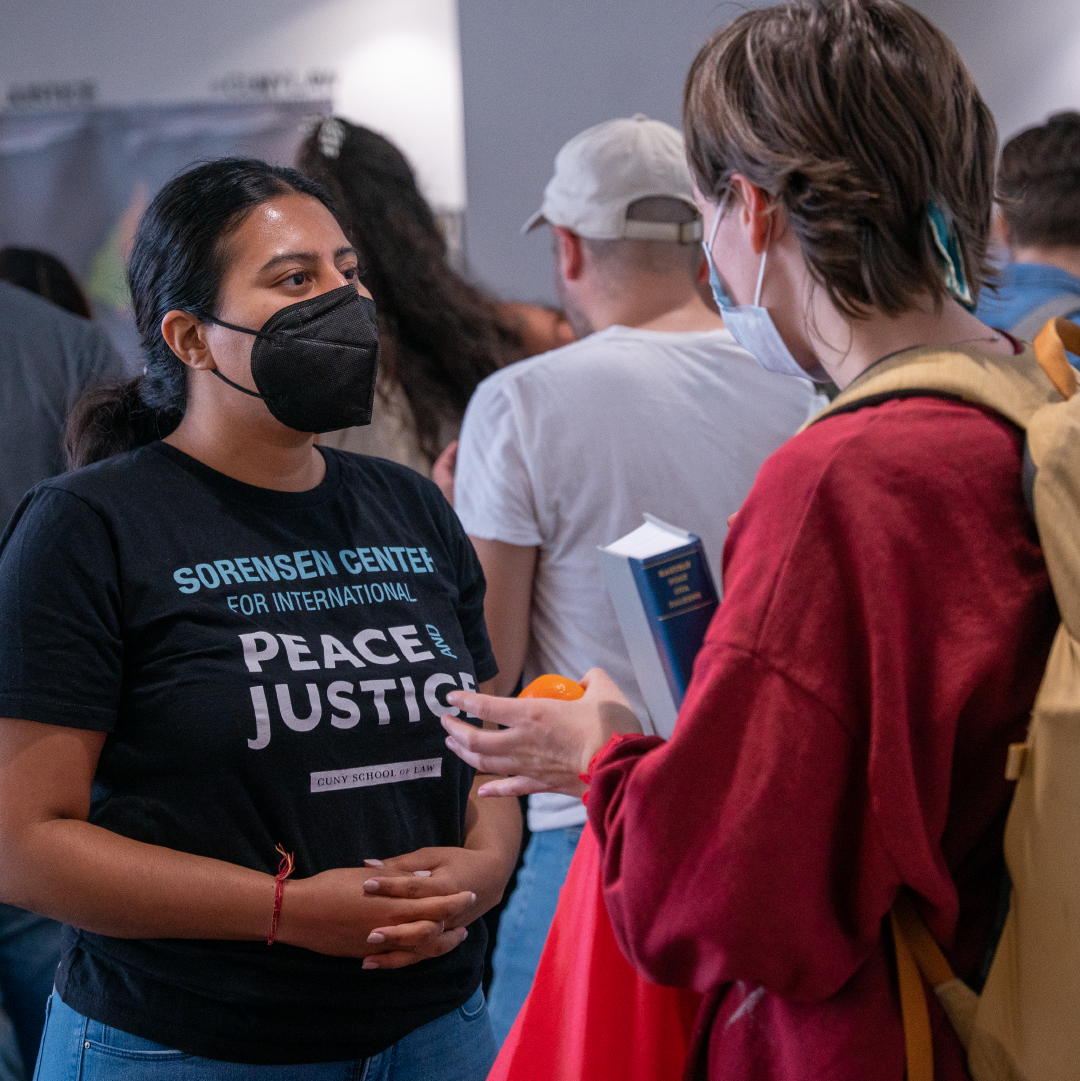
(270, 667)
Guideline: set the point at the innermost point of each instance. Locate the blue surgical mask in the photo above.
(750, 324)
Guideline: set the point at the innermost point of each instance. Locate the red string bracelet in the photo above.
(285, 868)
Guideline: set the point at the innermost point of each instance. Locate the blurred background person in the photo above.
(1038, 220)
(540, 327)
(45, 275)
(47, 356)
(440, 335)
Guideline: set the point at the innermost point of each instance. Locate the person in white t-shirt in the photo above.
(654, 409)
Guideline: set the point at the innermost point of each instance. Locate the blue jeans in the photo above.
(456, 1047)
(526, 921)
(29, 954)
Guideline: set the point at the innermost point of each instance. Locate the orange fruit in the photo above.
(553, 687)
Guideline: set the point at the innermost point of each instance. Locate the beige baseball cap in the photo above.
(600, 172)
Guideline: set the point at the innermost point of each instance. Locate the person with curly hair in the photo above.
(440, 335)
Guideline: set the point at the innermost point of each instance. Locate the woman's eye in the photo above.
(296, 279)
(349, 274)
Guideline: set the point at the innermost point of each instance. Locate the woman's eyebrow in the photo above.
(306, 257)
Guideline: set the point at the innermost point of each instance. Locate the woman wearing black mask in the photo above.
(223, 655)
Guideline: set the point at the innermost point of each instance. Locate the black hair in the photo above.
(440, 335)
(1039, 184)
(45, 275)
(177, 263)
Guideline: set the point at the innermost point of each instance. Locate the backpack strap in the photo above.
(1015, 387)
(1050, 344)
(918, 1040)
(1064, 304)
(919, 957)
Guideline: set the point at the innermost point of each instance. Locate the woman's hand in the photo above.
(332, 913)
(545, 744)
(482, 866)
(431, 872)
(56, 863)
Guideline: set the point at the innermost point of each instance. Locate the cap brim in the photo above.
(534, 222)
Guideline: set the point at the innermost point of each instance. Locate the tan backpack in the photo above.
(1025, 1025)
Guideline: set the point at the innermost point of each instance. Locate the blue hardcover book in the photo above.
(664, 597)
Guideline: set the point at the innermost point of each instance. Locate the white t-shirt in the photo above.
(565, 451)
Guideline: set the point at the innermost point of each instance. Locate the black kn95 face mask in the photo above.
(315, 361)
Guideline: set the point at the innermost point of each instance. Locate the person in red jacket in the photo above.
(887, 612)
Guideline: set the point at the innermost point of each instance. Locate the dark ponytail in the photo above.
(177, 263)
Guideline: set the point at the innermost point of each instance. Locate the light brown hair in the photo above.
(853, 115)
(1039, 183)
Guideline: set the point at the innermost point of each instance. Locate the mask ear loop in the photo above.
(716, 223)
(242, 330)
(761, 269)
(707, 247)
(244, 390)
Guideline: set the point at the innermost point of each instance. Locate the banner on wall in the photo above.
(75, 182)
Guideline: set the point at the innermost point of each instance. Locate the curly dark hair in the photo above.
(1039, 183)
(440, 335)
(855, 116)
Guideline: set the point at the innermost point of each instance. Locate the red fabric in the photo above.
(586, 777)
(590, 1016)
(886, 619)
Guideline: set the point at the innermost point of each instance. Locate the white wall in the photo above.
(538, 72)
(1025, 56)
(396, 62)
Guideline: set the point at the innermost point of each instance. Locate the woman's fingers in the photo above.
(546, 744)
(405, 936)
(494, 752)
(433, 946)
(409, 885)
(422, 859)
(512, 786)
(509, 712)
(448, 909)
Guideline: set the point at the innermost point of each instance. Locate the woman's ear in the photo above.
(758, 213)
(999, 229)
(186, 337)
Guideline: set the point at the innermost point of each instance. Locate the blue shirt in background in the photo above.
(1024, 286)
